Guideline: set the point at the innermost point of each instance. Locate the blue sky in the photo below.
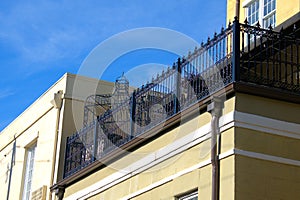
(40, 40)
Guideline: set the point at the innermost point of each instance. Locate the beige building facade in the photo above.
(31, 167)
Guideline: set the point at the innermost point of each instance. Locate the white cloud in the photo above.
(6, 93)
(45, 31)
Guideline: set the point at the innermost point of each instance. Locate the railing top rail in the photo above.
(254, 29)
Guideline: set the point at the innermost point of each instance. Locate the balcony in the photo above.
(241, 54)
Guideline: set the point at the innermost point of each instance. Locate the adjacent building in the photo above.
(30, 146)
(221, 123)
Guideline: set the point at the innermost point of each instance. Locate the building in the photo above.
(30, 145)
(221, 123)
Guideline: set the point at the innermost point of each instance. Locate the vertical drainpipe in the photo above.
(215, 108)
(57, 103)
(12, 163)
(237, 9)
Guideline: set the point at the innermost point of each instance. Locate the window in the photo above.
(190, 196)
(28, 172)
(269, 13)
(269, 6)
(253, 12)
(262, 11)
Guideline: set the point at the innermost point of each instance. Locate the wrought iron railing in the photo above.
(239, 53)
(271, 59)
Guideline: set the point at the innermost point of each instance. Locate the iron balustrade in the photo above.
(239, 53)
(269, 58)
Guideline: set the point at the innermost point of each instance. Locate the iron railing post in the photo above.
(132, 114)
(178, 87)
(95, 140)
(236, 50)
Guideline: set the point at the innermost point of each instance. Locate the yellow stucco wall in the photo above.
(284, 10)
(274, 179)
(241, 177)
(198, 178)
(269, 144)
(266, 107)
(269, 166)
(260, 179)
(231, 5)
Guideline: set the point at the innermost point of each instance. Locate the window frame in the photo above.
(262, 18)
(188, 196)
(29, 163)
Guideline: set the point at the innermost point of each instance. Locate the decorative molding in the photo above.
(230, 120)
(266, 157)
(267, 125)
(207, 162)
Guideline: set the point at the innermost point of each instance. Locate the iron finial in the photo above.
(270, 27)
(215, 35)
(246, 21)
(229, 25)
(183, 59)
(258, 24)
(178, 61)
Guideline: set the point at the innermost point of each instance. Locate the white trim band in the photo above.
(232, 119)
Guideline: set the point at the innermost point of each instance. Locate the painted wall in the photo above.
(35, 124)
(259, 155)
(173, 164)
(268, 164)
(284, 10)
(266, 107)
(39, 123)
(261, 179)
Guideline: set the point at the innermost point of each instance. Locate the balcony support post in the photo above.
(236, 50)
(178, 87)
(95, 139)
(132, 114)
